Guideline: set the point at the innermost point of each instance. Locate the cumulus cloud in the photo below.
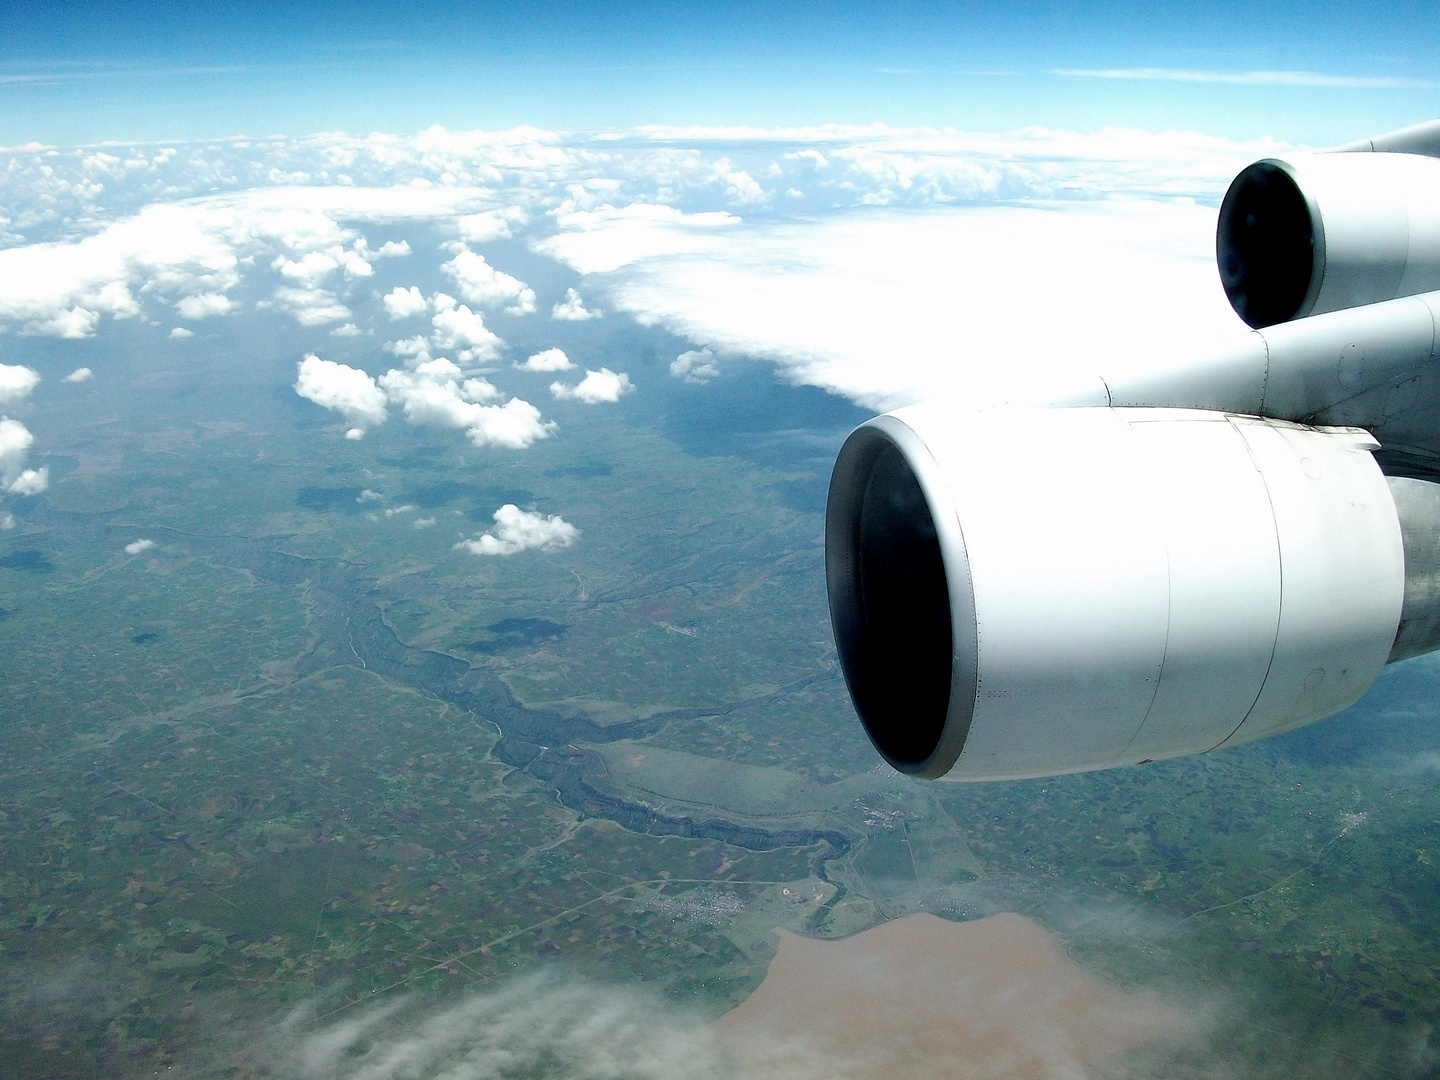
(573, 309)
(597, 386)
(204, 305)
(16, 382)
(517, 530)
(347, 390)
(423, 523)
(199, 247)
(435, 392)
(30, 482)
(405, 303)
(490, 225)
(481, 284)
(79, 375)
(548, 360)
(311, 307)
(136, 547)
(15, 444)
(695, 366)
(180, 333)
(460, 328)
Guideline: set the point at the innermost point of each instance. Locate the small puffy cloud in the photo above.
(490, 224)
(393, 248)
(204, 305)
(417, 346)
(138, 546)
(179, 333)
(573, 309)
(368, 495)
(405, 303)
(597, 386)
(16, 381)
(517, 530)
(695, 366)
(435, 392)
(311, 307)
(394, 511)
(481, 284)
(423, 523)
(30, 482)
(15, 443)
(348, 330)
(349, 391)
(549, 360)
(79, 375)
(465, 330)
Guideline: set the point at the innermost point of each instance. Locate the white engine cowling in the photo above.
(1327, 232)
(1027, 594)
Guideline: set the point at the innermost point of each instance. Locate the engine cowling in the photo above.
(1023, 594)
(1327, 232)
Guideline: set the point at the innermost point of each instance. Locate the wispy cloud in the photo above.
(1248, 78)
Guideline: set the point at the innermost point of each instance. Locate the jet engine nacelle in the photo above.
(1033, 593)
(1329, 231)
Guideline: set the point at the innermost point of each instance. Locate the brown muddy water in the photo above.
(921, 997)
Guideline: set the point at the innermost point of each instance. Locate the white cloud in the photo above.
(311, 307)
(392, 249)
(204, 305)
(15, 444)
(394, 511)
(30, 482)
(480, 283)
(1250, 78)
(573, 309)
(79, 375)
(7, 521)
(75, 323)
(517, 530)
(607, 238)
(695, 366)
(138, 546)
(348, 330)
(887, 307)
(436, 393)
(490, 225)
(548, 360)
(347, 390)
(199, 246)
(465, 330)
(417, 346)
(423, 523)
(180, 333)
(597, 386)
(16, 382)
(368, 495)
(405, 303)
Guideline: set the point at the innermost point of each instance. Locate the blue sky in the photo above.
(1318, 73)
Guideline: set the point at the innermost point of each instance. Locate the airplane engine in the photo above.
(1019, 594)
(1329, 231)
